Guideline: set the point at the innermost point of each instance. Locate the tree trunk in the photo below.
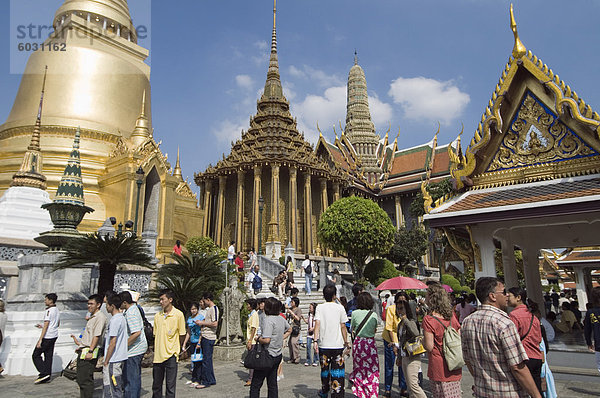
(106, 277)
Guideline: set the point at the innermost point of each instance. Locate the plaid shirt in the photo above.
(491, 345)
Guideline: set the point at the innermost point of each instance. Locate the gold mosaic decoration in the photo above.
(535, 137)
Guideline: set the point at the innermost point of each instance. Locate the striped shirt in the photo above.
(491, 345)
(135, 324)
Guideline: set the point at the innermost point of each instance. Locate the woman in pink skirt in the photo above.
(365, 376)
(444, 383)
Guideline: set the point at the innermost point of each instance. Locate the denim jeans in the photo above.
(310, 351)
(308, 282)
(390, 363)
(133, 376)
(208, 373)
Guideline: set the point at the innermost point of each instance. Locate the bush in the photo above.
(454, 283)
(204, 245)
(379, 270)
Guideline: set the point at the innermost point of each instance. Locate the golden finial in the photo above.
(177, 171)
(519, 49)
(143, 112)
(274, 36)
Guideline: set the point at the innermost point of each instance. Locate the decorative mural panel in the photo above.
(11, 253)
(536, 136)
(132, 280)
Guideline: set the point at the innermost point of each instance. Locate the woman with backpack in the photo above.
(530, 331)
(411, 363)
(444, 382)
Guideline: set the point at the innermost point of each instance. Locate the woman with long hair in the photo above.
(312, 358)
(444, 382)
(411, 364)
(192, 341)
(530, 331)
(289, 267)
(365, 373)
(274, 331)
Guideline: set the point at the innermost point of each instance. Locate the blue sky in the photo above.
(425, 61)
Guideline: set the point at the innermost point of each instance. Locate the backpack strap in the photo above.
(442, 323)
(528, 330)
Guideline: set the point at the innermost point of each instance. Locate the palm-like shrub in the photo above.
(108, 252)
(189, 277)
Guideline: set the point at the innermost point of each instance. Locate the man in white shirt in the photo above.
(331, 340)
(115, 349)
(308, 274)
(45, 344)
(231, 252)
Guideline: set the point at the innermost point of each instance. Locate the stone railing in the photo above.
(269, 268)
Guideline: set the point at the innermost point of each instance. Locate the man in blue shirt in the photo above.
(136, 346)
(115, 349)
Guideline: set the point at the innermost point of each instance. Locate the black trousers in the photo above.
(259, 377)
(44, 366)
(333, 372)
(85, 376)
(161, 371)
(535, 368)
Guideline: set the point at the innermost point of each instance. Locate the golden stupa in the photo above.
(101, 85)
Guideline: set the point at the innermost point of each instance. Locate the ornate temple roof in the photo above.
(273, 134)
(535, 128)
(70, 188)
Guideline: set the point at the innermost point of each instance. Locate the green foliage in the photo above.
(436, 190)
(379, 270)
(188, 278)
(548, 288)
(282, 260)
(109, 252)
(357, 227)
(199, 245)
(409, 245)
(454, 283)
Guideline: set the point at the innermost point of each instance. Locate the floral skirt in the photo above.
(445, 389)
(365, 374)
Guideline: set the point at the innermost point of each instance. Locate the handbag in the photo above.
(197, 355)
(295, 331)
(258, 358)
(415, 347)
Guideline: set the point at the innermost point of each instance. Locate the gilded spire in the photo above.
(355, 57)
(70, 188)
(519, 49)
(30, 173)
(273, 84)
(141, 132)
(177, 170)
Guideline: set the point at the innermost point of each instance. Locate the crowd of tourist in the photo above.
(505, 351)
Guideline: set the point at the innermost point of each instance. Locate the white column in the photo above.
(582, 297)
(484, 260)
(509, 264)
(533, 282)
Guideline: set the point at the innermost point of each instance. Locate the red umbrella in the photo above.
(401, 283)
(448, 288)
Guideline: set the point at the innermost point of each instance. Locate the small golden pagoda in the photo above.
(101, 84)
(272, 161)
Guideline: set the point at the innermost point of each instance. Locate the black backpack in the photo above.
(308, 269)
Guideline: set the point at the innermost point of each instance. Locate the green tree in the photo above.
(379, 270)
(357, 227)
(189, 277)
(436, 190)
(409, 245)
(109, 252)
(199, 245)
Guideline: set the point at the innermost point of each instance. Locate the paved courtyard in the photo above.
(299, 381)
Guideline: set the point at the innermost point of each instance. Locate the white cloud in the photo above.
(381, 113)
(227, 131)
(261, 44)
(423, 98)
(244, 81)
(329, 109)
(321, 78)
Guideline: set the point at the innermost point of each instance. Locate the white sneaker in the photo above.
(188, 382)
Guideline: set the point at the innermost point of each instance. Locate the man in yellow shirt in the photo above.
(169, 334)
(391, 345)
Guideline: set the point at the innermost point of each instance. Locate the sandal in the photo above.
(200, 386)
